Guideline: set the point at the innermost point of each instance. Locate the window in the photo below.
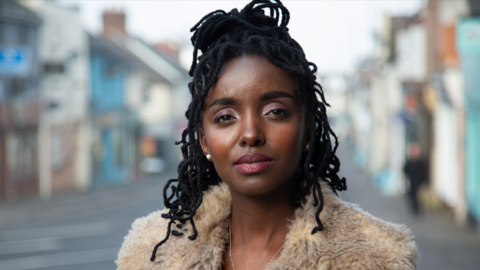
(23, 34)
(111, 70)
(22, 155)
(54, 68)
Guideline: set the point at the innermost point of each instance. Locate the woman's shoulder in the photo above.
(179, 252)
(368, 241)
(137, 246)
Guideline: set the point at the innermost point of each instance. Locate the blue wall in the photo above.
(471, 71)
(473, 162)
(108, 79)
(468, 44)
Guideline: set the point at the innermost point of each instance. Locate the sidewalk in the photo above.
(441, 244)
(68, 204)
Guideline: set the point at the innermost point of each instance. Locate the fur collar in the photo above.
(351, 239)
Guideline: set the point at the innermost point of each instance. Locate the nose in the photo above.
(251, 132)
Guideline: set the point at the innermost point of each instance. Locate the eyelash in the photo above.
(221, 118)
(282, 111)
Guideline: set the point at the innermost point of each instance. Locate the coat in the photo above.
(351, 239)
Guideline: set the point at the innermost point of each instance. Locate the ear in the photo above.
(203, 141)
(307, 136)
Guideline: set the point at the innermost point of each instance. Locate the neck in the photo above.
(262, 220)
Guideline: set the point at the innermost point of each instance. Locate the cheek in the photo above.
(220, 142)
(289, 138)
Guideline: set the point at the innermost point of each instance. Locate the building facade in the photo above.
(423, 87)
(64, 89)
(19, 100)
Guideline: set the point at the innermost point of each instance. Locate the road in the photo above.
(80, 233)
(85, 231)
(441, 244)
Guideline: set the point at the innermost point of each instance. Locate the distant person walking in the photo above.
(416, 170)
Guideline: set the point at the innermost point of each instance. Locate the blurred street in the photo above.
(442, 245)
(93, 96)
(85, 231)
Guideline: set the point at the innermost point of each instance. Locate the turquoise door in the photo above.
(468, 44)
(470, 69)
(472, 150)
(111, 170)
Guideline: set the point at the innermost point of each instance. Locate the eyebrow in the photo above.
(275, 94)
(265, 97)
(222, 101)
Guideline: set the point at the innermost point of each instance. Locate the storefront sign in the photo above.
(15, 61)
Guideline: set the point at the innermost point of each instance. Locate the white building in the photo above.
(64, 87)
(385, 154)
(448, 164)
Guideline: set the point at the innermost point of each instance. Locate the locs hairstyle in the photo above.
(220, 37)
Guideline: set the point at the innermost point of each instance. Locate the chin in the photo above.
(255, 186)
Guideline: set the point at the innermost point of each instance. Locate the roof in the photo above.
(154, 60)
(139, 55)
(12, 11)
(111, 49)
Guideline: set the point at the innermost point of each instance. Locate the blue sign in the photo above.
(15, 61)
(468, 36)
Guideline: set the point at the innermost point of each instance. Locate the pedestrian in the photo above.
(416, 172)
(257, 188)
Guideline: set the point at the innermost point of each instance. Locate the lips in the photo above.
(253, 163)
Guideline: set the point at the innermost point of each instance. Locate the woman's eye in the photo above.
(223, 118)
(278, 112)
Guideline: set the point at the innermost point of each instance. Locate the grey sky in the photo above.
(334, 34)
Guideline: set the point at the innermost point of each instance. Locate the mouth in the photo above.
(253, 163)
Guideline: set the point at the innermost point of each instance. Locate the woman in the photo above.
(257, 186)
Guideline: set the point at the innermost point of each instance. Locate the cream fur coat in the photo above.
(351, 239)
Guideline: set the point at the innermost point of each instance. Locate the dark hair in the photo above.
(220, 37)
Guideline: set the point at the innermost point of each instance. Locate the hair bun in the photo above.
(216, 24)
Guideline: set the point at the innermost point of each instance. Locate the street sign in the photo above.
(15, 61)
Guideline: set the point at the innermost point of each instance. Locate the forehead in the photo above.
(249, 76)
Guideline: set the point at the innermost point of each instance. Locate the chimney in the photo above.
(113, 23)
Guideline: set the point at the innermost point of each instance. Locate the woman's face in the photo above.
(253, 126)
